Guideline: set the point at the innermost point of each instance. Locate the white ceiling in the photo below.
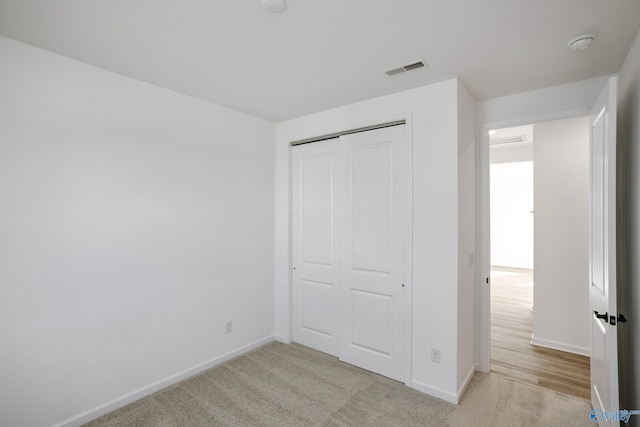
(326, 53)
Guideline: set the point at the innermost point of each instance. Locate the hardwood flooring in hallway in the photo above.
(512, 353)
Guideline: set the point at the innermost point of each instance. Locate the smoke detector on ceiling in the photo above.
(581, 42)
(274, 6)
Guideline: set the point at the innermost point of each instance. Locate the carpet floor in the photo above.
(292, 385)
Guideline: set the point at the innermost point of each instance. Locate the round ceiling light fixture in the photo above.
(581, 42)
(274, 6)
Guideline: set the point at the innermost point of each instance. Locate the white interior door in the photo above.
(604, 342)
(315, 259)
(511, 201)
(373, 251)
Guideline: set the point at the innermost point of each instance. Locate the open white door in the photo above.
(602, 287)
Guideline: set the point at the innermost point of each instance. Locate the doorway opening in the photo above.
(545, 165)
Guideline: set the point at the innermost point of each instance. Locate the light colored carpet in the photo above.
(292, 385)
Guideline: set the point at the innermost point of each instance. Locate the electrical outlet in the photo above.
(229, 326)
(435, 355)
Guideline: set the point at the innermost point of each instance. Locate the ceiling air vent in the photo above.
(507, 140)
(408, 67)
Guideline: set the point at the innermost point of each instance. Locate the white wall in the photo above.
(508, 153)
(432, 116)
(511, 214)
(466, 237)
(564, 101)
(561, 255)
(135, 221)
(629, 235)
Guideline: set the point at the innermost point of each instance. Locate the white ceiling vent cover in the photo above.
(408, 67)
(508, 140)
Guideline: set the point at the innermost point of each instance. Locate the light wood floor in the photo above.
(511, 351)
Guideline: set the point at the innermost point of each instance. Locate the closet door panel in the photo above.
(373, 251)
(315, 260)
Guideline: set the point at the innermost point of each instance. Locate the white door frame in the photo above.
(341, 127)
(483, 236)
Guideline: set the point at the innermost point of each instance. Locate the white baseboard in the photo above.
(435, 392)
(554, 345)
(282, 339)
(466, 382)
(121, 401)
(478, 367)
(442, 394)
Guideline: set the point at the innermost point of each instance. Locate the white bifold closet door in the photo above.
(349, 248)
